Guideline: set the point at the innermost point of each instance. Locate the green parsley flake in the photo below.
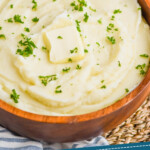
(35, 5)
(35, 19)
(11, 6)
(103, 87)
(10, 20)
(144, 55)
(86, 51)
(112, 18)
(75, 50)
(78, 25)
(46, 79)
(59, 37)
(26, 29)
(141, 69)
(28, 46)
(0, 28)
(99, 21)
(98, 44)
(94, 10)
(78, 67)
(79, 5)
(14, 96)
(117, 11)
(66, 70)
(119, 63)
(70, 60)
(2, 36)
(127, 90)
(17, 19)
(58, 90)
(86, 17)
(111, 40)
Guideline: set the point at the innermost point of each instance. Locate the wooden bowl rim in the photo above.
(85, 117)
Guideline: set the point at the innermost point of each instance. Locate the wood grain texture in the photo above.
(74, 128)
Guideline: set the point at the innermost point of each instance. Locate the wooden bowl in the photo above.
(73, 128)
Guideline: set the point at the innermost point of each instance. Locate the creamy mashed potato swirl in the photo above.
(70, 57)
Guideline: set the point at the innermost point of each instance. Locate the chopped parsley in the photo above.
(139, 8)
(78, 67)
(119, 63)
(117, 11)
(66, 70)
(78, 25)
(44, 48)
(112, 18)
(17, 19)
(86, 17)
(111, 39)
(28, 46)
(111, 27)
(102, 81)
(59, 37)
(11, 6)
(103, 87)
(26, 29)
(14, 96)
(144, 55)
(127, 90)
(75, 50)
(69, 60)
(2, 36)
(99, 21)
(141, 69)
(35, 19)
(0, 28)
(94, 10)
(79, 5)
(34, 5)
(10, 20)
(98, 44)
(86, 51)
(46, 79)
(58, 90)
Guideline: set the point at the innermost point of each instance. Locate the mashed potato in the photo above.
(70, 57)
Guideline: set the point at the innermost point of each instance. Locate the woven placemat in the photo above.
(135, 129)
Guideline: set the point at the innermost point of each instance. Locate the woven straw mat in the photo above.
(135, 129)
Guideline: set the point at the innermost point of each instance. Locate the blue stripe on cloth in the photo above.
(15, 140)
(22, 148)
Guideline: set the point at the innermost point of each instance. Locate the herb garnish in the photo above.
(2, 36)
(111, 39)
(28, 46)
(144, 55)
(66, 70)
(46, 79)
(35, 19)
(11, 6)
(86, 51)
(78, 25)
(17, 18)
(127, 90)
(86, 17)
(58, 90)
(75, 50)
(26, 29)
(99, 21)
(79, 6)
(59, 37)
(35, 5)
(78, 67)
(14, 96)
(10, 20)
(117, 11)
(119, 63)
(141, 69)
(103, 87)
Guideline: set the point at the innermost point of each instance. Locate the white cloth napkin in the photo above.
(10, 141)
